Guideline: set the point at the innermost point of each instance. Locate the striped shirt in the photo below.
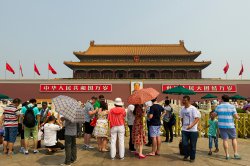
(11, 114)
(226, 112)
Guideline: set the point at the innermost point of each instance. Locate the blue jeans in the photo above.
(211, 139)
(10, 134)
(189, 139)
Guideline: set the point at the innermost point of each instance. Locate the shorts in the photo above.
(88, 128)
(29, 131)
(154, 131)
(10, 134)
(20, 130)
(228, 133)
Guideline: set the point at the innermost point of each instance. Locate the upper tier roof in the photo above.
(137, 49)
(73, 65)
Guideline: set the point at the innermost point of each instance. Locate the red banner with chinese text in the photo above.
(75, 87)
(205, 88)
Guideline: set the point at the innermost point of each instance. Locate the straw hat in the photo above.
(118, 101)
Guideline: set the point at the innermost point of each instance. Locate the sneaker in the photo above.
(74, 162)
(26, 152)
(237, 157)
(191, 161)
(84, 147)
(35, 151)
(91, 147)
(185, 159)
(210, 153)
(22, 150)
(122, 158)
(228, 157)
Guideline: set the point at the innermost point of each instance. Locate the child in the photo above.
(213, 133)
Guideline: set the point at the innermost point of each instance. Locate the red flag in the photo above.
(9, 68)
(36, 69)
(21, 70)
(53, 71)
(226, 68)
(241, 70)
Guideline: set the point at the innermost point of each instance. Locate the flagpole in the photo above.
(19, 71)
(34, 70)
(5, 71)
(48, 70)
(241, 67)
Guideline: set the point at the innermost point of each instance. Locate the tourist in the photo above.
(44, 113)
(10, 122)
(21, 130)
(50, 135)
(130, 121)
(31, 124)
(97, 103)
(189, 117)
(148, 105)
(226, 114)
(70, 142)
(117, 121)
(89, 115)
(213, 133)
(168, 121)
(102, 127)
(139, 138)
(154, 115)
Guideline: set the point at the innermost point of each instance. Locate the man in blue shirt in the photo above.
(226, 114)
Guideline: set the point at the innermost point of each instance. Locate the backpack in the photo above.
(29, 119)
(172, 120)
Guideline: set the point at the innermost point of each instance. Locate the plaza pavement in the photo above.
(169, 156)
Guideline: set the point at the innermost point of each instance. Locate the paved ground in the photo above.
(169, 156)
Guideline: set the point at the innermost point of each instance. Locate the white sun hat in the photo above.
(118, 101)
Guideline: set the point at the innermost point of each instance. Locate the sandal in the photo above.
(105, 150)
(150, 154)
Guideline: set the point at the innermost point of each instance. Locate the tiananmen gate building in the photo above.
(137, 61)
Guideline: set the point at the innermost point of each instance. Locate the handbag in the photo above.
(61, 134)
(93, 122)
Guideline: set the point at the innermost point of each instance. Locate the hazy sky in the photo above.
(50, 30)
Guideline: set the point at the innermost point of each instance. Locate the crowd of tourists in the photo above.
(108, 125)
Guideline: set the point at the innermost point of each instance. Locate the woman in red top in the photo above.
(117, 120)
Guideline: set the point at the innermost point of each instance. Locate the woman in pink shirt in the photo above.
(117, 121)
